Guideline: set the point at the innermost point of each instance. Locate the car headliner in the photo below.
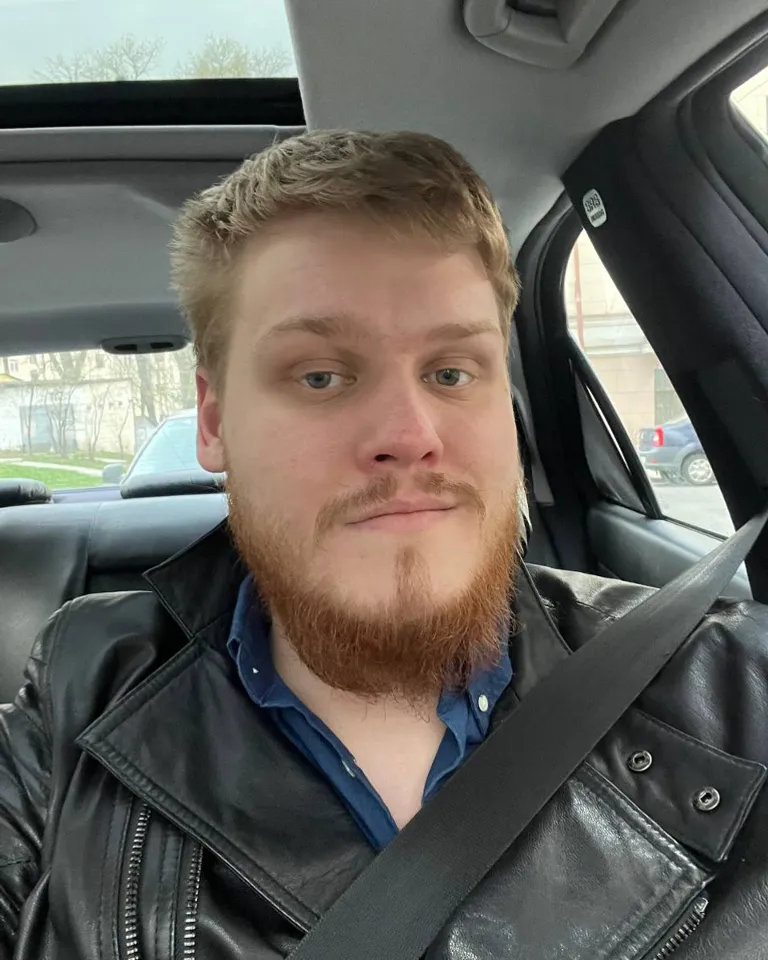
(104, 199)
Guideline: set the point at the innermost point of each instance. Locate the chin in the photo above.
(375, 582)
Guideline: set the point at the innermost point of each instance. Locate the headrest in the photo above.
(172, 484)
(20, 491)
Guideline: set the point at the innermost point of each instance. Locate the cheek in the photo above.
(290, 465)
(486, 448)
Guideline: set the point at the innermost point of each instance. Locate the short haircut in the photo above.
(411, 183)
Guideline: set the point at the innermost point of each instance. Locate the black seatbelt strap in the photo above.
(398, 905)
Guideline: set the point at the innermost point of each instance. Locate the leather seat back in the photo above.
(51, 553)
(17, 491)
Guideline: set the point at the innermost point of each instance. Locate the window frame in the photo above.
(153, 103)
(542, 361)
(734, 153)
(634, 471)
(697, 285)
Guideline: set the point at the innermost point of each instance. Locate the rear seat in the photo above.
(53, 552)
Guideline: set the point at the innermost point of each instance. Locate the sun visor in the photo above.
(547, 33)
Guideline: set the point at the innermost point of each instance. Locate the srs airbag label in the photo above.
(594, 208)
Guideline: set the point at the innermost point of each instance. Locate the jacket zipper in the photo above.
(689, 926)
(192, 899)
(133, 878)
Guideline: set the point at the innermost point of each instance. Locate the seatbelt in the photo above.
(398, 905)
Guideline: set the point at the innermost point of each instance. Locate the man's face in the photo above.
(365, 420)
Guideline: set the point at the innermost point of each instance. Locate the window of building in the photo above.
(642, 394)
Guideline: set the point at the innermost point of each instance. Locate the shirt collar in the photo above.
(249, 646)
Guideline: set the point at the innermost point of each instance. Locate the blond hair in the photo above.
(411, 182)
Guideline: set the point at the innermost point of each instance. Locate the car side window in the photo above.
(751, 101)
(642, 394)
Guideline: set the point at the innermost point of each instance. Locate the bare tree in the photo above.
(222, 57)
(148, 407)
(128, 58)
(13, 398)
(55, 379)
(26, 415)
(94, 415)
(58, 69)
(120, 437)
(137, 370)
(61, 414)
(70, 365)
(186, 366)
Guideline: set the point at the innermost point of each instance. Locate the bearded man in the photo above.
(202, 768)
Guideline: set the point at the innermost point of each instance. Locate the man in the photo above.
(201, 769)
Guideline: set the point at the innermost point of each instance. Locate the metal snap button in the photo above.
(639, 761)
(706, 799)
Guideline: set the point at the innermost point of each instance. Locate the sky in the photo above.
(33, 30)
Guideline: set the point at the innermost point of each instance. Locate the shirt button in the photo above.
(482, 702)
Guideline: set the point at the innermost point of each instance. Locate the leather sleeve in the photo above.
(25, 774)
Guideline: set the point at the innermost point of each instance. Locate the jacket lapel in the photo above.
(193, 746)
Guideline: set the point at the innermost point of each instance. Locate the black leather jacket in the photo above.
(148, 811)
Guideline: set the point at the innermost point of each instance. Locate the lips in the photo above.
(403, 508)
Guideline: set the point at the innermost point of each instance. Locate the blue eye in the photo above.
(452, 377)
(321, 379)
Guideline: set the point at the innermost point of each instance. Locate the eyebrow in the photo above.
(463, 330)
(322, 326)
(342, 325)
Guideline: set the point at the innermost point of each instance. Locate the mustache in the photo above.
(382, 489)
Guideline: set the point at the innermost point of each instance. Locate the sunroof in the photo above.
(91, 41)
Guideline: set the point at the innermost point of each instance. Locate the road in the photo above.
(700, 506)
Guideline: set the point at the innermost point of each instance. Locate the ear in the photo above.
(210, 444)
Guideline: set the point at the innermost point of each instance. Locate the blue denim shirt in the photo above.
(466, 717)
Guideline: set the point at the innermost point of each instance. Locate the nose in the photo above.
(400, 430)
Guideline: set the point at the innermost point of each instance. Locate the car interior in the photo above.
(633, 133)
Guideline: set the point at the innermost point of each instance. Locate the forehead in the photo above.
(380, 283)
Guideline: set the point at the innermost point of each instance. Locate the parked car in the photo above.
(170, 449)
(674, 452)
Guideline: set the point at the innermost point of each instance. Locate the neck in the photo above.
(393, 742)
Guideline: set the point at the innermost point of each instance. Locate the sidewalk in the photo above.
(88, 471)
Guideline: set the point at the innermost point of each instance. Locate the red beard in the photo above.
(414, 647)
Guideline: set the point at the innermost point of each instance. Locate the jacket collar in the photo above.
(190, 743)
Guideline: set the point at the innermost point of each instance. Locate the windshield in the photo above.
(65, 417)
(69, 41)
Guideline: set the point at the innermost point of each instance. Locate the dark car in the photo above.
(169, 450)
(674, 452)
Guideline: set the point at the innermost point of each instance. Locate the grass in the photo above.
(53, 479)
(72, 460)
